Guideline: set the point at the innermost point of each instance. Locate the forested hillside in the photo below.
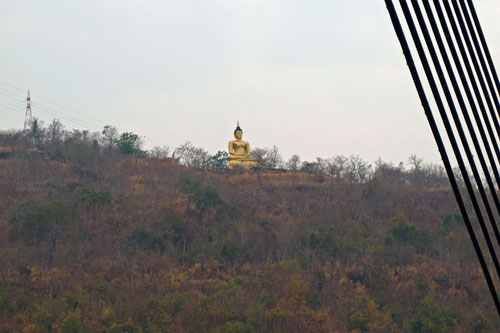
(95, 237)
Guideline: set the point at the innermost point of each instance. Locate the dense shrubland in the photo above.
(98, 235)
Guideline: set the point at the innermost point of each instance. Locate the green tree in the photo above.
(431, 317)
(402, 231)
(219, 161)
(95, 200)
(233, 252)
(225, 217)
(326, 244)
(190, 187)
(73, 324)
(124, 328)
(177, 228)
(477, 323)
(308, 167)
(208, 197)
(145, 240)
(37, 132)
(235, 327)
(37, 223)
(402, 241)
(128, 143)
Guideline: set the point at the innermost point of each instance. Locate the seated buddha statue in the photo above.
(239, 151)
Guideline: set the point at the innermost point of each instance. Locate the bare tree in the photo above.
(192, 156)
(160, 152)
(11, 138)
(390, 173)
(109, 137)
(268, 157)
(260, 155)
(293, 163)
(357, 169)
(416, 162)
(274, 158)
(55, 132)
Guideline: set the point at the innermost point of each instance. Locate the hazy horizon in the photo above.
(315, 78)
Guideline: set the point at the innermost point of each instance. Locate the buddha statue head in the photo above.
(238, 132)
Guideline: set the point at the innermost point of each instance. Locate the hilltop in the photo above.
(98, 239)
(149, 244)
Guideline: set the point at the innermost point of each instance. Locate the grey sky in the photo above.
(316, 78)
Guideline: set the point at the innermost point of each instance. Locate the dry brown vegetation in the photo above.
(98, 235)
(146, 244)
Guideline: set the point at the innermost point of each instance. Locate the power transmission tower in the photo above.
(28, 118)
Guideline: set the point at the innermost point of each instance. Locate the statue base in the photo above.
(247, 163)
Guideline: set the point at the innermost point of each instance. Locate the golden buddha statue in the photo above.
(239, 151)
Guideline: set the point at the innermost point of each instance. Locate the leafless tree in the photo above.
(293, 163)
(160, 152)
(192, 156)
(55, 132)
(109, 137)
(269, 158)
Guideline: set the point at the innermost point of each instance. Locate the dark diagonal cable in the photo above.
(483, 43)
(444, 156)
(465, 84)
(474, 59)
(470, 72)
(470, 97)
(480, 55)
(456, 118)
(446, 121)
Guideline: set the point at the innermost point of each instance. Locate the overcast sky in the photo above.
(315, 78)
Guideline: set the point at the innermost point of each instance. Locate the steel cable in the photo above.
(473, 57)
(465, 84)
(461, 131)
(447, 124)
(480, 55)
(483, 43)
(435, 131)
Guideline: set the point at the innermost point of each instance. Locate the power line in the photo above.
(9, 112)
(58, 113)
(63, 112)
(18, 105)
